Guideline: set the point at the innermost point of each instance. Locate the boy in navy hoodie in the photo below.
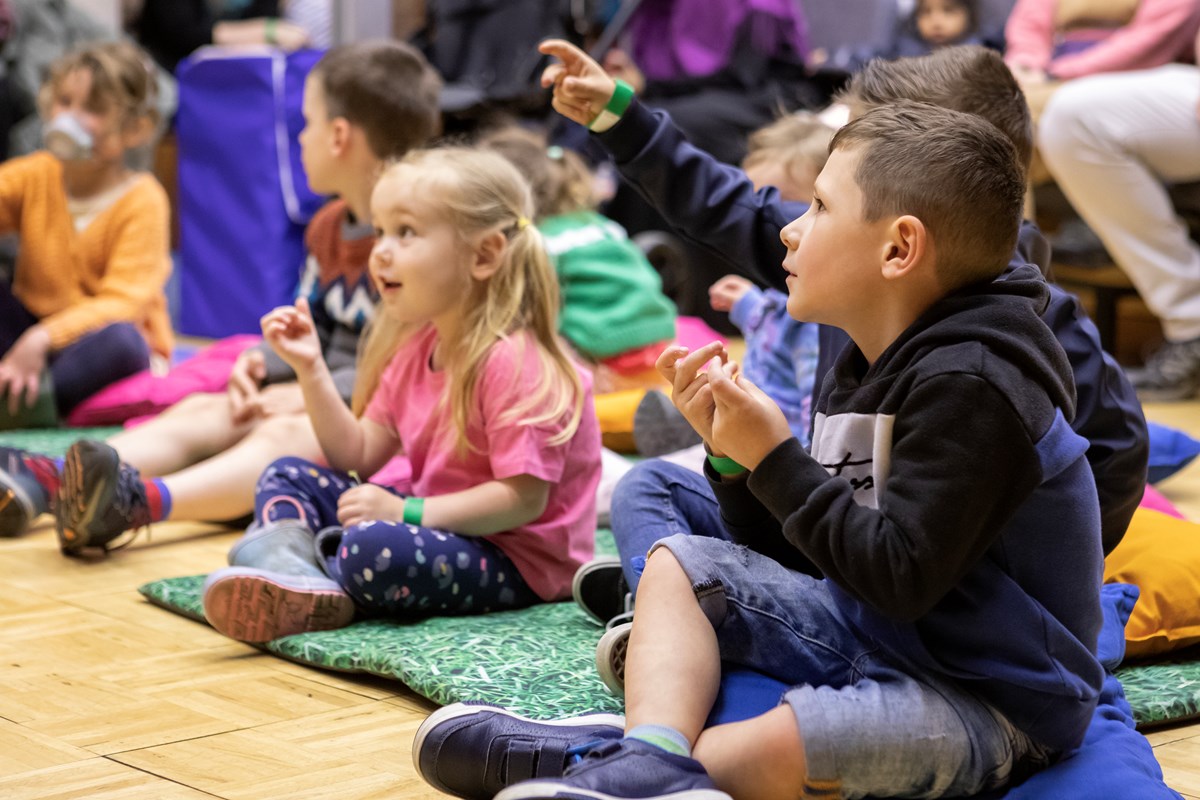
(716, 207)
(946, 500)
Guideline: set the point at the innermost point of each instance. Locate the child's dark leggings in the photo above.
(391, 568)
(85, 367)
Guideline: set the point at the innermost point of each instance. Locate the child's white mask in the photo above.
(67, 139)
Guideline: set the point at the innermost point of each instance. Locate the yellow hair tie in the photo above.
(522, 223)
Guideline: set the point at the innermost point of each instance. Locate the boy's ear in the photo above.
(489, 255)
(907, 246)
(340, 133)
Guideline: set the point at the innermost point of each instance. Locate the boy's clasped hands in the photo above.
(735, 418)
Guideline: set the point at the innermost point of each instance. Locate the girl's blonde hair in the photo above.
(122, 76)
(560, 181)
(480, 192)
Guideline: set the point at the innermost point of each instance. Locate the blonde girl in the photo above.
(464, 374)
(86, 305)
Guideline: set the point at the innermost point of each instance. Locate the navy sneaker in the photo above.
(100, 498)
(474, 750)
(626, 769)
(21, 494)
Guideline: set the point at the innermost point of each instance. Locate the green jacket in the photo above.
(612, 297)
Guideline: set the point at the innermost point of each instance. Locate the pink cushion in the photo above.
(146, 394)
(693, 333)
(1154, 501)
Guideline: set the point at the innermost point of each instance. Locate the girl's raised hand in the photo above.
(581, 86)
(293, 336)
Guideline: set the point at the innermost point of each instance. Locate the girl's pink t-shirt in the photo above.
(408, 402)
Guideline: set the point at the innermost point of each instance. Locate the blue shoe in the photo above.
(475, 751)
(253, 605)
(21, 494)
(626, 769)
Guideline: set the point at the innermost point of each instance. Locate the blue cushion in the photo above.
(1113, 761)
(1170, 451)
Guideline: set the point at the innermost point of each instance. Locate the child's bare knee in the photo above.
(284, 429)
(206, 405)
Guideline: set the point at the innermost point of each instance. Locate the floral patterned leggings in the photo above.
(391, 569)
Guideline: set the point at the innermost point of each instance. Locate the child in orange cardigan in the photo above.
(86, 304)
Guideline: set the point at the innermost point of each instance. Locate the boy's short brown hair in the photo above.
(953, 171)
(386, 88)
(968, 78)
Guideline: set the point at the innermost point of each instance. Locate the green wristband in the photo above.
(414, 510)
(725, 466)
(617, 105)
(269, 26)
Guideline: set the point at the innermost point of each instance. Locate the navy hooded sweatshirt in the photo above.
(951, 507)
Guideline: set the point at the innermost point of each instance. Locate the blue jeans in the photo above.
(872, 724)
(85, 366)
(391, 568)
(657, 499)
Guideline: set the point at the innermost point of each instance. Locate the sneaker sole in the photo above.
(610, 658)
(581, 575)
(457, 710)
(16, 507)
(253, 608)
(69, 520)
(658, 428)
(549, 790)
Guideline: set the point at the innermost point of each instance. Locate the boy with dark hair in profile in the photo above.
(950, 647)
(716, 206)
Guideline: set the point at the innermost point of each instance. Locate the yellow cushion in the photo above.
(1161, 555)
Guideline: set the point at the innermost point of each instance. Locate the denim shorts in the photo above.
(870, 724)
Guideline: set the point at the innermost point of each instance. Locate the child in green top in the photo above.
(614, 311)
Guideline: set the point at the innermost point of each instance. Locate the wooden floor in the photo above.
(103, 696)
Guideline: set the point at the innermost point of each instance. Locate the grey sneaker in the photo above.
(253, 605)
(285, 547)
(659, 428)
(1172, 373)
(610, 657)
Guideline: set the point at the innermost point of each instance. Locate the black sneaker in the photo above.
(659, 428)
(1172, 373)
(474, 750)
(99, 499)
(21, 494)
(599, 588)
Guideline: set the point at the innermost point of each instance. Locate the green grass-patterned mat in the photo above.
(537, 661)
(51, 441)
(1165, 691)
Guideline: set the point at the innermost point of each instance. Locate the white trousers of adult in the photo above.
(1112, 142)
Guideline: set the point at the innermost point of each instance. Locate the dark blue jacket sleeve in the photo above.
(706, 202)
(1107, 414)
